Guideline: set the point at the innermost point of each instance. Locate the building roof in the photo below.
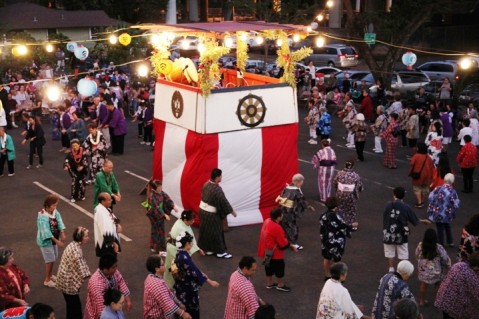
(21, 16)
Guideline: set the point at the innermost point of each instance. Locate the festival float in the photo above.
(243, 123)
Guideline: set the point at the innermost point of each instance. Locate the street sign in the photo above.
(370, 38)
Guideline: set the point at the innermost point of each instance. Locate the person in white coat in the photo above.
(335, 300)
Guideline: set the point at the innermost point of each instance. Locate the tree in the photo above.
(396, 28)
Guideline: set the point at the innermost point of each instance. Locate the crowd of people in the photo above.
(173, 281)
(399, 123)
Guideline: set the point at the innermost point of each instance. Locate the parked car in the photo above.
(408, 81)
(324, 71)
(470, 93)
(402, 81)
(340, 55)
(438, 70)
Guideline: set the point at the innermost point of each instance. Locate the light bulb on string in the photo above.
(259, 40)
(228, 42)
(279, 42)
(329, 4)
(143, 70)
(320, 17)
(155, 39)
(49, 48)
(113, 39)
(320, 42)
(22, 49)
(296, 37)
(53, 93)
(465, 63)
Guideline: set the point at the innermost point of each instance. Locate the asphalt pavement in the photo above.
(22, 196)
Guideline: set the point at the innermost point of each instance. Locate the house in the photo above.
(41, 22)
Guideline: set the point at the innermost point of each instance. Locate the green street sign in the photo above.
(370, 38)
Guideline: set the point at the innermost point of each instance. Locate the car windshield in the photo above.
(413, 77)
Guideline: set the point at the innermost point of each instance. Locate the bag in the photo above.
(415, 175)
(268, 254)
(176, 272)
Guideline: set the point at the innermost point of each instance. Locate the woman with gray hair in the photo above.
(335, 301)
(14, 283)
(443, 203)
(293, 205)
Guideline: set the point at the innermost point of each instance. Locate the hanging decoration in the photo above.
(86, 87)
(71, 46)
(124, 39)
(409, 59)
(165, 66)
(161, 43)
(241, 51)
(286, 59)
(209, 69)
(81, 53)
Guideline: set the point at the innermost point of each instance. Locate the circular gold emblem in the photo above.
(177, 104)
(251, 110)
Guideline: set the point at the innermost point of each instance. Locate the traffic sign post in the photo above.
(370, 38)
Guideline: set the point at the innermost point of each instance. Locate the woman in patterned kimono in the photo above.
(390, 135)
(159, 208)
(76, 164)
(325, 161)
(348, 185)
(190, 278)
(293, 205)
(333, 231)
(95, 148)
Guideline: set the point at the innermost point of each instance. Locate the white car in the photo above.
(408, 81)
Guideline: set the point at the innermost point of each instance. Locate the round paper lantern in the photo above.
(71, 46)
(124, 39)
(409, 59)
(81, 53)
(86, 87)
(165, 66)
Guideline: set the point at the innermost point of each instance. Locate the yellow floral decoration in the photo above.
(209, 73)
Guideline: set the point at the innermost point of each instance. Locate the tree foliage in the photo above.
(396, 28)
(133, 11)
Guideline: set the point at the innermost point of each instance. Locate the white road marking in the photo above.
(138, 176)
(81, 209)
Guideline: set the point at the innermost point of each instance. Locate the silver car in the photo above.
(339, 55)
(438, 70)
(408, 81)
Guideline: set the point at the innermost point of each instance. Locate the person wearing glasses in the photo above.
(73, 270)
(14, 282)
